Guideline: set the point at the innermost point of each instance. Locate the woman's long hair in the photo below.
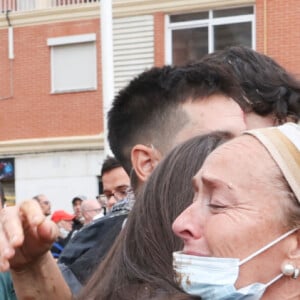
(139, 265)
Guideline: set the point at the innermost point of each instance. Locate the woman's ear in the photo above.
(144, 159)
(294, 248)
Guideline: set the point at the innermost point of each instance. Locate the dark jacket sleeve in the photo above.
(88, 247)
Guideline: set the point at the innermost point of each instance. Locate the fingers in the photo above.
(33, 216)
(11, 231)
(14, 222)
(11, 234)
(25, 235)
(47, 231)
(31, 212)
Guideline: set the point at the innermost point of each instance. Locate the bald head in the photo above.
(89, 209)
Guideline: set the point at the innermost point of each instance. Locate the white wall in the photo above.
(60, 176)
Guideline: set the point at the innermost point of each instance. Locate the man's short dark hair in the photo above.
(109, 164)
(75, 199)
(78, 198)
(267, 87)
(147, 111)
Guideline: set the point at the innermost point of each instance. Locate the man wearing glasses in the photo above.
(90, 244)
(115, 182)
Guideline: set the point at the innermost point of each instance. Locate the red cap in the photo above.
(61, 215)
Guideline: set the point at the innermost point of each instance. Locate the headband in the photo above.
(283, 143)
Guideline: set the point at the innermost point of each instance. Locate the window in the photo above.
(73, 63)
(7, 179)
(191, 36)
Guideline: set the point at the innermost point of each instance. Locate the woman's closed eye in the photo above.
(216, 205)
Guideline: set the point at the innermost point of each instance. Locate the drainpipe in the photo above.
(107, 64)
(10, 54)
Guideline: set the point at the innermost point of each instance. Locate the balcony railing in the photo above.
(29, 5)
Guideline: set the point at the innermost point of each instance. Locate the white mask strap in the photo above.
(274, 279)
(267, 246)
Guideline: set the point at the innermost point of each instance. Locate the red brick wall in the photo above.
(33, 112)
(281, 37)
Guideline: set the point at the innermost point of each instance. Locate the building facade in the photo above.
(51, 79)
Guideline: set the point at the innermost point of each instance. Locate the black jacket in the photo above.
(87, 248)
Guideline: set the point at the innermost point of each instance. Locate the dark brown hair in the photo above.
(268, 88)
(109, 164)
(139, 266)
(149, 109)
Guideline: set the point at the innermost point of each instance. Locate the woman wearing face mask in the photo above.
(139, 265)
(64, 222)
(241, 234)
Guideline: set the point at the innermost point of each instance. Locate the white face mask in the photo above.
(213, 278)
(63, 233)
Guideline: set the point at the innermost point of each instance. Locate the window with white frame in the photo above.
(73, 63)
(191, 36)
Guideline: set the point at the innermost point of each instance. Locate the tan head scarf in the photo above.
(283, 143)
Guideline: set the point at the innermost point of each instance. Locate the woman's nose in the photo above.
(187, 225)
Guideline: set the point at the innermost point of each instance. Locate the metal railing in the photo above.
(29, 5)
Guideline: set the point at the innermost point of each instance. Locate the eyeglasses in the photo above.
(119, 194)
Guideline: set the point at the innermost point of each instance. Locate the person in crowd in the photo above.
(103, 202)
(89, 245)
(164, 106)
(268, 89)
(115, 182)
(78, 220)
(241, 234)
(64, 222)
(44, 203)
(7, 291)
(91, 210)
(139, 266)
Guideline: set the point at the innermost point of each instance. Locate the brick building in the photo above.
(51, 81)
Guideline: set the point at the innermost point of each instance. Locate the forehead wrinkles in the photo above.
(243, 155)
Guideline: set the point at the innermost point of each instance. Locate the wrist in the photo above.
(37, 265)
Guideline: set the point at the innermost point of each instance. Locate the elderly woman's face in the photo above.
(237, 210)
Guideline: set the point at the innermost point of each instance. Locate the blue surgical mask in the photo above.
(213, 278)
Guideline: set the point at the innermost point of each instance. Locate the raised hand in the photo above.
(25, 235)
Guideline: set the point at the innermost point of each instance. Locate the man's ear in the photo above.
(144, 159)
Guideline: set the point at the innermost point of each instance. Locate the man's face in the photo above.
(77, 208)
(236, 211)
(115, 184)
(45, 205)
(216, 112)
(89, 209)
(66, 224)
